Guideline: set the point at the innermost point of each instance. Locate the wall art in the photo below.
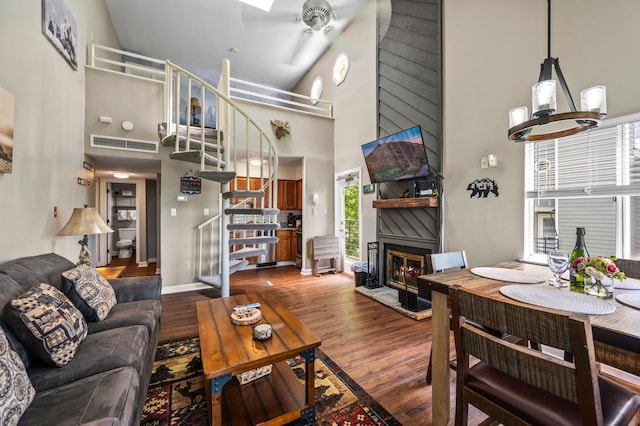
(6, 131)
(481, 188)
(59, 26)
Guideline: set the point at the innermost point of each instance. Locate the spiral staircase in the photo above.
(247, 220)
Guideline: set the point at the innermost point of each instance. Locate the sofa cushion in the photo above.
(32, 270)
(143, 312)
(107, 398)
(106, 350)
(9, 290)
(89, 291)
(16, 391)
(47, 324)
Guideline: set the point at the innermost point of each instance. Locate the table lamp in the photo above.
(85, 221)
(195, 110)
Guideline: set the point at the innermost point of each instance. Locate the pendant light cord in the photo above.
(548, 28)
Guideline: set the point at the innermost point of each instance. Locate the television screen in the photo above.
(400, 156)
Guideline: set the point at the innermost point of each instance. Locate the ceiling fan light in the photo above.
(543, 97)
(518, 115)
(316, 14)
(594, 99)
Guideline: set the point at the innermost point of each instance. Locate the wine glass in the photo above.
(558, 261)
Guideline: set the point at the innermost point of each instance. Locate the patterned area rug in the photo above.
(176, 394)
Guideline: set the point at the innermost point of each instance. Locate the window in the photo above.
(316, 90)
(590, 180)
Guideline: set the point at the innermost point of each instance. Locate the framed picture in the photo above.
(59, 26)
(6, 131)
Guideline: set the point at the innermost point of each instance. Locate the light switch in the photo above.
(206, 211)
(174, 212)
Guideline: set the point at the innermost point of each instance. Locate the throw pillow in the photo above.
(47, 324)
(16, 391)
(89, 291)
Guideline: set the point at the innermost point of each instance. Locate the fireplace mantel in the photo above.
(405, 203)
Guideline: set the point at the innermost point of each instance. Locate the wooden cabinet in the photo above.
(287, 194)
(299, 194)
(286, 249)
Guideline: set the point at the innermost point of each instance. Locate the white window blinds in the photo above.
(597, 163)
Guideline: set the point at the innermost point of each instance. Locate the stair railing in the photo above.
(243, 138)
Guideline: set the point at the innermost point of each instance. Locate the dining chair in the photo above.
(514, 384)
(631, 268)
(442, 262)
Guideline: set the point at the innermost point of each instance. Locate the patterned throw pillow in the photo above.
(47, 324)
(89, 291)
(16, 391)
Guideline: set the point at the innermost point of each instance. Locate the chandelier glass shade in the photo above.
(593, 105)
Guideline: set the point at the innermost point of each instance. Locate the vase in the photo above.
(600, 288)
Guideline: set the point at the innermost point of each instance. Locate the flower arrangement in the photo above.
(598, 267)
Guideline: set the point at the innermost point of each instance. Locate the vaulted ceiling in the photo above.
(274, 48)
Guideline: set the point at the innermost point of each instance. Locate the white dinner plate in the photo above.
(554, 298)
(508, 275)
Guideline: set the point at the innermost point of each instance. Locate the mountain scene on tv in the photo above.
(398, 159)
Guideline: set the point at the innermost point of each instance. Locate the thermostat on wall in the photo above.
(181, 198)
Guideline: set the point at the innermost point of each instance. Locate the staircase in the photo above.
(247, 221)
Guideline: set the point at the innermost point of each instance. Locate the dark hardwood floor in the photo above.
(132, 268)
(384, 351)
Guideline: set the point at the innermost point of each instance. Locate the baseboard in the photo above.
(184, 287)
(306, 271)
(152, 260)
(143, 265)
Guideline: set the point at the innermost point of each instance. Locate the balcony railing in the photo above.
(352, 238)
(544, 244)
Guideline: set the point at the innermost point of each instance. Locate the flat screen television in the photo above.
(400, 156)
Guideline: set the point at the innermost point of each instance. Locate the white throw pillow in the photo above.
(89, 292)
(16, 391)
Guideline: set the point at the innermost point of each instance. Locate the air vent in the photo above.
(123, 144)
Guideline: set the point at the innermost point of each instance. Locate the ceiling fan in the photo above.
(317, 14)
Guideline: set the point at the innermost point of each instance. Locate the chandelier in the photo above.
(593, 105)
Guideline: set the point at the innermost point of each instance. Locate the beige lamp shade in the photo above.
(195, 106)
(85, 221)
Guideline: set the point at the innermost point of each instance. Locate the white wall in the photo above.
(355, 106)
(311, 137)
(492, 56)
(48, 128)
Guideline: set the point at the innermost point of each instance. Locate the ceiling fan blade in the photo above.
(299, 49)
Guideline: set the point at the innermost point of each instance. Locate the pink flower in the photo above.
(612, 268)
(574, 264)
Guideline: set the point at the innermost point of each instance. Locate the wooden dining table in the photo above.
(616, 335)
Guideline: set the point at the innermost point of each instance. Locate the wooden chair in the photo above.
(442, 262)
(517, 385)
(631, 268)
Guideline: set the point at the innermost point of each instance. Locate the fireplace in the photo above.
(403, 266)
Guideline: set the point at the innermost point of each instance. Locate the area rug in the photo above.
(176, 394)
(389, 297)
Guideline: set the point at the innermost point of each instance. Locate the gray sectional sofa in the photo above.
(106, 381)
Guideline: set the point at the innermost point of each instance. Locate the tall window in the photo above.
(590, 180)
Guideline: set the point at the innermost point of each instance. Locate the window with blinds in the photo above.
(590, 180)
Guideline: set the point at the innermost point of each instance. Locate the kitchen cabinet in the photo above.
(287, 194)
(299, 194)
(286, 250)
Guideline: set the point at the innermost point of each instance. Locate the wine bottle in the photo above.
(580, 250)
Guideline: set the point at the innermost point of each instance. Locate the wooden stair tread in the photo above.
(221, 176)
(253, 211)
(243, 194)
(253, 226)
(210, 134)
(246, 252)
(196, 157)
(252, 240)
(194, 144)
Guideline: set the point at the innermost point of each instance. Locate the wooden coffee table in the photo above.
(228, 349)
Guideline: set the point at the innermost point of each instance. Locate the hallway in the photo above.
(132, 269)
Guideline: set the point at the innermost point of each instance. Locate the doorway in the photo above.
(348, 214)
